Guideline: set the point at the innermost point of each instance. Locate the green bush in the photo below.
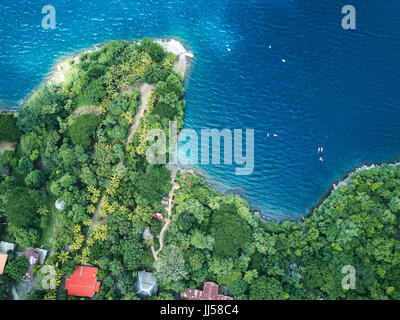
(95, 92)
(165, 110)
(17, 268)
(83, 130)
(155, 51)
(154, 73)
(9, 130)
(41, 110)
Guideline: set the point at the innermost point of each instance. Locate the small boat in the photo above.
(322, 149)
(269, 47)
(275, 135)
(229, 49)
(268, 134)
(283, 60)
(319, 149)
(320, 159)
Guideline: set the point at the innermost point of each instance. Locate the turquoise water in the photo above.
(338, 89)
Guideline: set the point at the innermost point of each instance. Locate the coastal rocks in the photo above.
(347, 178)
(182, 64)
(64, 65)
(257, 213)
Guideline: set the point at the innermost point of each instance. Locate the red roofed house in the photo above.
(3, 260)
(210, 292)
(82, 283)
(158, 216)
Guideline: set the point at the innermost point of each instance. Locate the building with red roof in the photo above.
(82, 283)
(3, 261)
(210, 292)
(158, 216)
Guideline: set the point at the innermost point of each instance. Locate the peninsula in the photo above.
(75, 182)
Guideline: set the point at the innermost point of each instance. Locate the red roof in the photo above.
(82, 283)
(158, 216)
(210, 289)
(3, 260)
(210, 292)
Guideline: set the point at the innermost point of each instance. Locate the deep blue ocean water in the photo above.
(338, 89)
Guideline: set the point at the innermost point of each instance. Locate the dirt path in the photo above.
(145, 91)
(95, 217)
(175, 187)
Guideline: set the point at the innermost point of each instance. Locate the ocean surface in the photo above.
(338, 89)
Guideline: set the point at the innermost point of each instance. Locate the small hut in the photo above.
(60, 204)
(145, 285)
(6, 247)
(147, 235)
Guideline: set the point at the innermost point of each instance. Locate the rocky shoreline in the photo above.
(62, 66)
(340, 183)
(344, 181)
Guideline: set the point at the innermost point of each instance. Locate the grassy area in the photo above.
(156, 243)
(88, 109)
(82, 101)
(48, 239)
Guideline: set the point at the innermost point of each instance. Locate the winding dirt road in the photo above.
(145, 91)
(175, 187)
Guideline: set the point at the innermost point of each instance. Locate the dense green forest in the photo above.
(9, 130)
(357, 225)
(72, 145)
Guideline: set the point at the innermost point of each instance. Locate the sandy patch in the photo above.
(63, 66)
(86, 110)
(4, 145)
(127, 89)
(145, 91)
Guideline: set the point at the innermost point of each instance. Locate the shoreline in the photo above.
(169, 44)
(345, 179)
(182, 66)
(51, 73)
(258, 211)
(220, 187)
